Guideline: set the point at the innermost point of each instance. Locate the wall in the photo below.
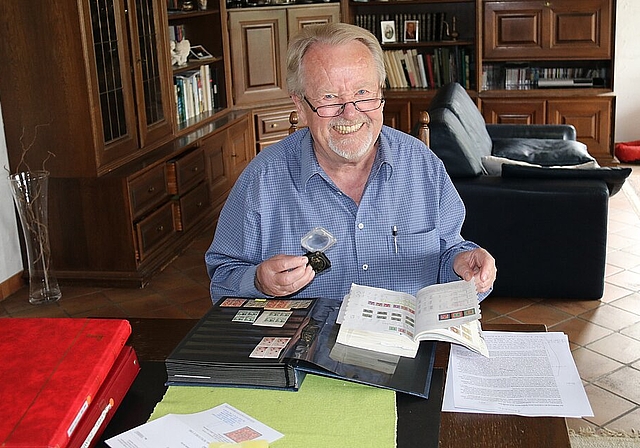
(10, 259)
(627, 71)
(626, 82)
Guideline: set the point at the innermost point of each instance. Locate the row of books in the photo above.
(196, 92)
(176, 33)
(526, 77)
(410, 69)
(431, 26)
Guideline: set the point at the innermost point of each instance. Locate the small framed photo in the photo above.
(198, 52)
(388, 29)
(411, 31)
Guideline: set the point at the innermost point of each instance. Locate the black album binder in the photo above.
(273, 343)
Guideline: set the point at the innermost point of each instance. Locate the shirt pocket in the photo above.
(415, 255)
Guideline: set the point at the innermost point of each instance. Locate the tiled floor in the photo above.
(604, 335)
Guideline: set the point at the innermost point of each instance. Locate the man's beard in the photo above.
(362, 145)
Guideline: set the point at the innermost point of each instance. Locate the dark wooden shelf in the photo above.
(428, 44)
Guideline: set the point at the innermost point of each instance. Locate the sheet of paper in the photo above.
(223, 423)
(530, 374)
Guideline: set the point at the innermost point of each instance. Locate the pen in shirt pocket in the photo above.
(394, 232)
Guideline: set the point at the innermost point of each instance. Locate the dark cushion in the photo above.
(614, 177)
(456, 99)
(453, 145)
(458, 132)
(541, 151)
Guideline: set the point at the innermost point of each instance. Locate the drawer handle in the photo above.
(160, 228)
(234, 155)
(547, 4)
(199, 204)
(196, 169)
(274, 125)
(151, 189)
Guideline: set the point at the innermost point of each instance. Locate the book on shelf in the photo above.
(195, 92)
(396, 322)
(432, 26)
(176, 33)
(429, 65)
(274, 343)
(422, 70)
(408, 68)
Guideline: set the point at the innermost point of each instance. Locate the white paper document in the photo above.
(530, 374)
(223, 423)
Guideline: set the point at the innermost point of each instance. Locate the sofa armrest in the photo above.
(555, 131)
(614, 177)
(548, 236)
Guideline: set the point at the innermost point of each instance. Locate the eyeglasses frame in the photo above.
(343, 106)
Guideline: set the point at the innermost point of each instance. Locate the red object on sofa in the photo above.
(628, 151)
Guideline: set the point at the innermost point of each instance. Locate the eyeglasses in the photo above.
(333, 110)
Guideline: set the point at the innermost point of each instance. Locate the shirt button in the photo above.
(360, 226)
(365, 267)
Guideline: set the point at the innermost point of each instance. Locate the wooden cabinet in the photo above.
(226, 154)
(258, 50)
(258, 38)
(272, 124)
(206, 76)
(512, 111)
(545, 29)
(591, 116)
(90, 86)
(90, 94)
(121, 228)
(443, 49)
(527, 42)
(511, 45)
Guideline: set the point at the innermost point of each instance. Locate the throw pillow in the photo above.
(542, 151)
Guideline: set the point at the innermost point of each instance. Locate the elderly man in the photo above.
(381, 194)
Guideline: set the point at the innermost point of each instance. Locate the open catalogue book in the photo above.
(395, 322)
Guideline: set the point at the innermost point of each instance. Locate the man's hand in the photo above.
(282, 275)
(476, 263)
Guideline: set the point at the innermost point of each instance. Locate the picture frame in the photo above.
(199, 52)
(411, 31)
(388, 31)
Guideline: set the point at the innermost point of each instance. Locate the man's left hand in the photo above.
(478, 264)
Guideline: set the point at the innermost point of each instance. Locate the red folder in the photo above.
(51, 370)
(107, 400)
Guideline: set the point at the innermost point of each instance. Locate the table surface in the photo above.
(154, 339)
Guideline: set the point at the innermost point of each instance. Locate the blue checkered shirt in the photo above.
(284, 193)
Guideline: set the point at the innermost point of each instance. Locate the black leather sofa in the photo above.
(546, 226)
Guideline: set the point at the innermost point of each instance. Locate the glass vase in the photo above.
(30, 194)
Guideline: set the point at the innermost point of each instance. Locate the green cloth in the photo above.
(323, 413)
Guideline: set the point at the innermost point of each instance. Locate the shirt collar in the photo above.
(310, 166)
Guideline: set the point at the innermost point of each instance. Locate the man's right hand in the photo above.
(283, 275)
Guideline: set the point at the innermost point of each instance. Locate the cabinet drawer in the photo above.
(148, 191)
(193, 206)
(155, 229)
(273, 124)
(185, 172)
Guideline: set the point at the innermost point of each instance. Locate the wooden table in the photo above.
(154, 339)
